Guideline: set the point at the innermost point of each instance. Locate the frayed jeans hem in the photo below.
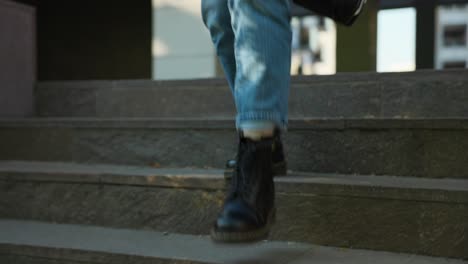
(248, 121)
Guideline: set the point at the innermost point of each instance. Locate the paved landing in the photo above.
(74, 242)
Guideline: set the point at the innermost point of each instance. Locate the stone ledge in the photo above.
(380, 219)
(220, 123)
(382, 187)
(424, 94)
(102, 245)
(453, 75)
(318, 146)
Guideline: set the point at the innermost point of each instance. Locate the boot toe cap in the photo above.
(237, 217)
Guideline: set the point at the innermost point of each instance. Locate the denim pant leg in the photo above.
(217, 19)
(262, 46)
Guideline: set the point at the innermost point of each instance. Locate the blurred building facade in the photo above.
(48, 40)
(452, 37)
(181, 46)
(313, 46)
(164, 39)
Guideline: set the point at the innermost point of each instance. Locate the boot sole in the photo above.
(245, 237)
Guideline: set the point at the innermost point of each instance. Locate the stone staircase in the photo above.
(72, 244)
(131, 172)
(422, 94)
(434, 148)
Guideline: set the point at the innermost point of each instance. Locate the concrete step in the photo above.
(434, 148)
(398, 214)
(421, 94)
(44, 243)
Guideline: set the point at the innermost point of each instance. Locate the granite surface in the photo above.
(422, 94)
(401, 148)
(93, 244)
(340, 219)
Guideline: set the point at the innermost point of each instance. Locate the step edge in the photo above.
(459, 74)
(295, 123)
(384, 187)
(128, 242)
(299, 250)
(78, 256)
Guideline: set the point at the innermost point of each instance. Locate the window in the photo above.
(455, 35)
(455, 65)
(396, 40)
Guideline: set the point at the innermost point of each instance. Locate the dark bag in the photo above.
(342, 11)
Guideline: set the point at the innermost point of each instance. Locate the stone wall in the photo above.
(17, 59)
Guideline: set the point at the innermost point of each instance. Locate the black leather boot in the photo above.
(249, 209)
(278, 158)
(342, 11)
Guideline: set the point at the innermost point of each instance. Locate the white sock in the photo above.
(257, 134)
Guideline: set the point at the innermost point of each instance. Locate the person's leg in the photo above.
(217, 19)
(262, 37)
(262, 46)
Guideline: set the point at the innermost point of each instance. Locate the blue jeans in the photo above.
(253, 42)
